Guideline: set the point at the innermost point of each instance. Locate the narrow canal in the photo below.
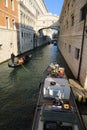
(19, 88)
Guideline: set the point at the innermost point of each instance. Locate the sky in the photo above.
(54, 6)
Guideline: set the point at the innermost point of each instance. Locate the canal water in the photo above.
(19, 88)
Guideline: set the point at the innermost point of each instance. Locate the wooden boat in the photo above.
(20, 61)
(56, 108)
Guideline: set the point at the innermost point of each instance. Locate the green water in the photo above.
(19, 88)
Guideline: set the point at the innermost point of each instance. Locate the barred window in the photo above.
(69, 48)
(77, 51)
(72, 20)
(83, 12)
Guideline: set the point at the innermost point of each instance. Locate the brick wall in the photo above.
(8, 34)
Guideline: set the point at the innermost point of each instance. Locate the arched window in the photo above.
(7, 22)
(13, 23)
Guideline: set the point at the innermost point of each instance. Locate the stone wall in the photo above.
(8, 29)
(8, 42)
(70, 37)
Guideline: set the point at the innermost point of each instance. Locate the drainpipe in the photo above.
(82, 45)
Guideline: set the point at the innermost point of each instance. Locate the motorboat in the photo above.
(56, 107)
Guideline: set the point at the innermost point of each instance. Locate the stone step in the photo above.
(80, 93)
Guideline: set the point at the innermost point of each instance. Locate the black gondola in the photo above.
(21, 61)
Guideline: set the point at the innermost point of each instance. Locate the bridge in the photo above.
(47, 21)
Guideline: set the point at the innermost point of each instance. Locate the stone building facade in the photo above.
(8, 28)
(72, 40)
(45, 21)
(28, 15)
(19, 25)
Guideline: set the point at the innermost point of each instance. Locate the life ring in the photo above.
(66, 106)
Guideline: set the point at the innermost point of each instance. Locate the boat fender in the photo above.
(66, 106)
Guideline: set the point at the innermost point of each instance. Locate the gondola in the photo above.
(56, 107)
(20, 61)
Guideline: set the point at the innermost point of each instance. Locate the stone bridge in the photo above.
(47, 21)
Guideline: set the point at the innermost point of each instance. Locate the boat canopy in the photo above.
(56, 87)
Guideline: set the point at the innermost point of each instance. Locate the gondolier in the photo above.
(19, 61)
(12, 58)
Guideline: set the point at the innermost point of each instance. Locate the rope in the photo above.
(24, 68)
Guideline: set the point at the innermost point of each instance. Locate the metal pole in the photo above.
(82, 45)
